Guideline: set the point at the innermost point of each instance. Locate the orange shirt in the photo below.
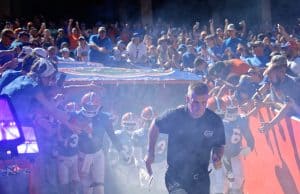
(73, 41)
(239, 67)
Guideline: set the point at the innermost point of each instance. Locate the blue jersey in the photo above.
(92, 142)
(235, 131)
(68, 142)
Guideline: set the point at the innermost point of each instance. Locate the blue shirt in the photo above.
(22, 92)
(231, 43)
(7, 57)
(96, 56)
(8, 76)
(2, 47)
(258, 61)
(188, 59)
(217, 50)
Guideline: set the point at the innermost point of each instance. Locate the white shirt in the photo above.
(295, 66)
(82, 53)
(136, 53)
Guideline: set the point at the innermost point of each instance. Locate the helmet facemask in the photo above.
(128, 121)
(91, 104)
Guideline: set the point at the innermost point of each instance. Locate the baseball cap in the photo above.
(26, 50)
(64, 50)
(136, 35)
(81, 38)
(277, 61)
(102, 29)
(230, 27)
(40, 52)
(45, 68)
(182, 48)
(256, 44)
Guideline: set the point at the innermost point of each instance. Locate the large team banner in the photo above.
(274, 166)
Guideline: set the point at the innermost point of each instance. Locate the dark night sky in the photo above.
(171, 10)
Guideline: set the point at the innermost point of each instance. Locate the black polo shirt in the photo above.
(190, 140)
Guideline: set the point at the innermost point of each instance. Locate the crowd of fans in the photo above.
(231, 52)
(160, 45)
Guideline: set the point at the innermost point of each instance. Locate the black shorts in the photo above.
(196, 183)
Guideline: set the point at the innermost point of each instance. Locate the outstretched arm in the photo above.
(226, 23)
(211, 26)
(114, 139)
(62, 116)
(247, 134)
(280, 115)
(12, 64)
(69, 29)
(152, 138)
(70, 90)
(244, 29)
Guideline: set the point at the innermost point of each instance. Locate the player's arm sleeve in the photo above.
(165, 122)
(247, 133)
(221, 138)
(110, 132)
(152, 138)
(218, 148)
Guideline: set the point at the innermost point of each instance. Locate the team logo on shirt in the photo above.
(208, 133)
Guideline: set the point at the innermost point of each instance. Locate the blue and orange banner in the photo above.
(274, 165)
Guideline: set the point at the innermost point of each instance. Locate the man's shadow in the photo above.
(283, 173)
(286, 180)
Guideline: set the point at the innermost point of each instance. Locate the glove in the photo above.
(245, 151)
(143, 177)
(217, 162)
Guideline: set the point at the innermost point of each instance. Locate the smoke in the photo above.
(134, 97)
(124, 179)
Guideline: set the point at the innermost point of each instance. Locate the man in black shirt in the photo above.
(194, 133)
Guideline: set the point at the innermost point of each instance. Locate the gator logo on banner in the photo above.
(107, 72)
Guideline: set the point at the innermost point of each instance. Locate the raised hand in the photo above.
(264, 126)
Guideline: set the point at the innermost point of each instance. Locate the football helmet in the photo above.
(70, 107)
(128, 121)
(147, 113)
(91, 104)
